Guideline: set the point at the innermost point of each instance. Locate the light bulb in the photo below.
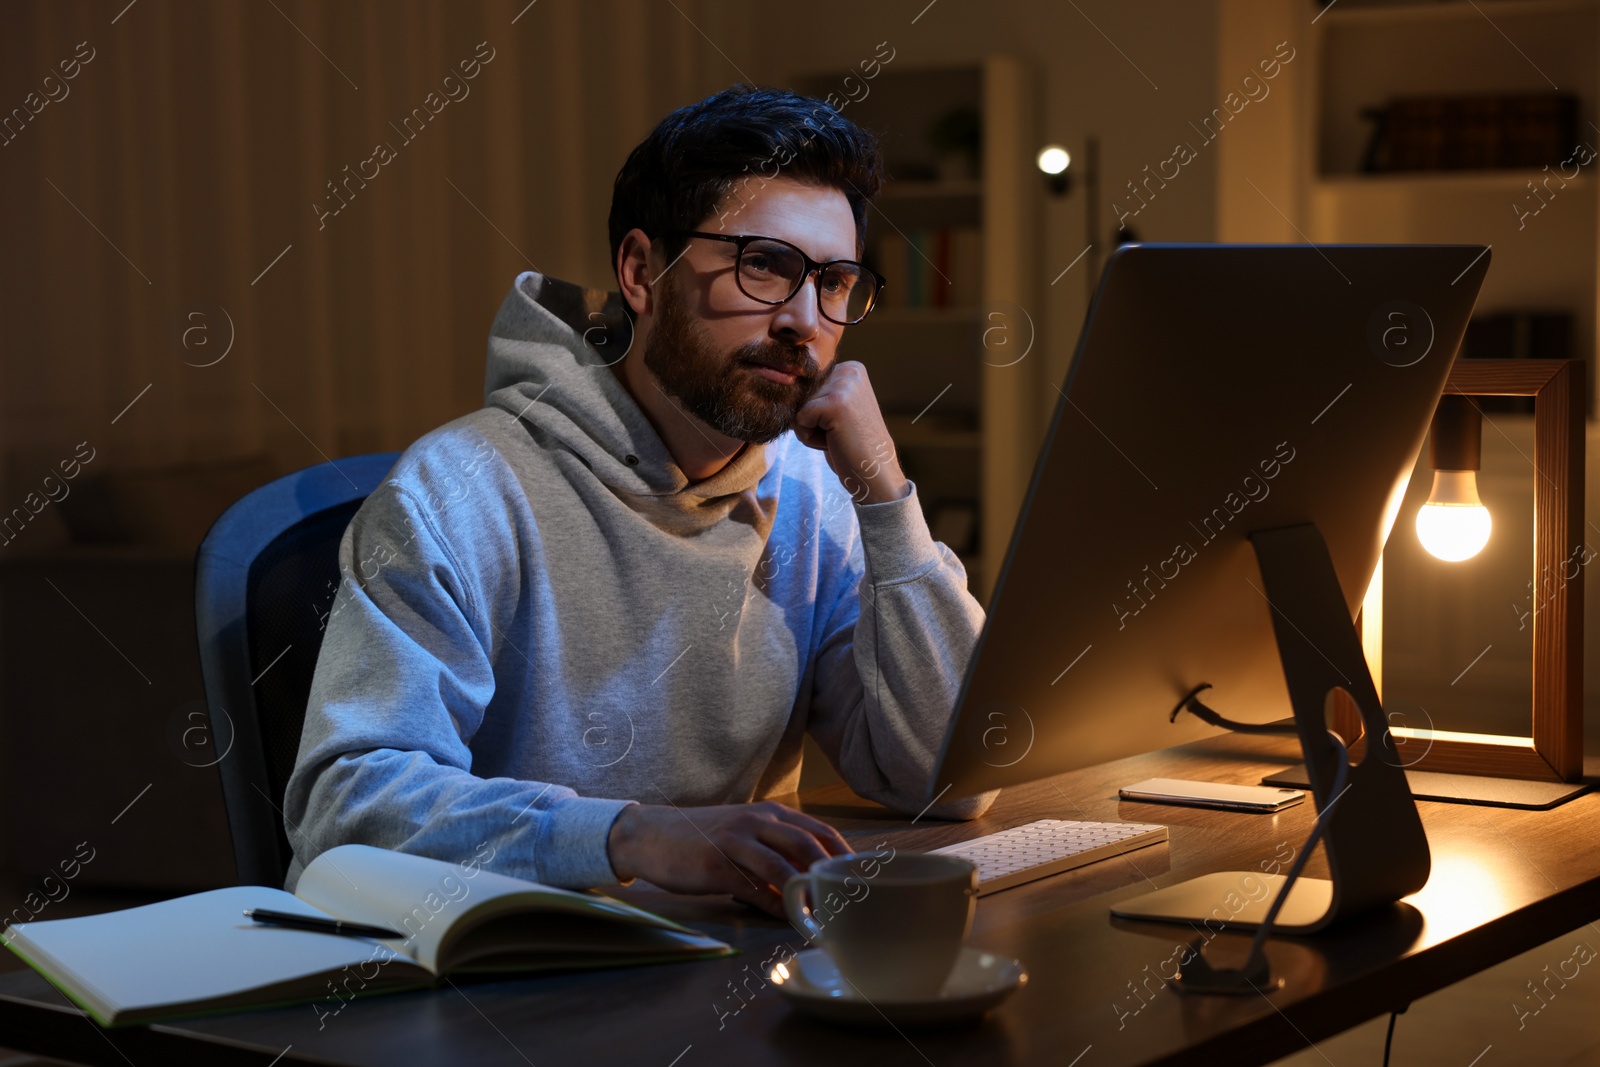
(1454, 525)
(1054, 159)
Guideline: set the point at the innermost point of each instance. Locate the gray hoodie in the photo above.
(541, 620)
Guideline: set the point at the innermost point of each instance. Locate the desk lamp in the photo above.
(1553, 751)
(1454, 525)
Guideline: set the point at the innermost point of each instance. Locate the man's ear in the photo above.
(635, 272)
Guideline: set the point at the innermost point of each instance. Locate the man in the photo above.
(589, 624)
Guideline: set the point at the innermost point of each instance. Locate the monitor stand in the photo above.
(1373, 838)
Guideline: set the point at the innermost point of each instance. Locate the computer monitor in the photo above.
(1221, 398)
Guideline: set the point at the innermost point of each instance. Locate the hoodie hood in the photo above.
(551, 351)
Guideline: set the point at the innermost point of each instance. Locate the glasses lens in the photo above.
(770, 270)
(847, 291)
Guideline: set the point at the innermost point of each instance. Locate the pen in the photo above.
(324, 926)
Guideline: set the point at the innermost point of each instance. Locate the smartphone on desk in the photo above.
(1213, 794)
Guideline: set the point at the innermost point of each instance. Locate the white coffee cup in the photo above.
(892, 922)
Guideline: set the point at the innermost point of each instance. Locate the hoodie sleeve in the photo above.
(401, 684)
(891, 659)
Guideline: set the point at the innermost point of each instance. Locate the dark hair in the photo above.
(695, 156)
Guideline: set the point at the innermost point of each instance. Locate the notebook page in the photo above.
(424, 897)
(194, 948)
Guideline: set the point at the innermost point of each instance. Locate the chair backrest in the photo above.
(265, 577)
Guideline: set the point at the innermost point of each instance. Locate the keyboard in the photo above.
(1049, 846)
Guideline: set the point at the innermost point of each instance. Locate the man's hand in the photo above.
(748, 850)
(843, 419)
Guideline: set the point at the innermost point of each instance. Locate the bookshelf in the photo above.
(1306, 157)
(1368, 51)
(958, 404)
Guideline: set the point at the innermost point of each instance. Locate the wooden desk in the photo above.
(1503, 882)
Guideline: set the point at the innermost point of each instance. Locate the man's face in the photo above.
(707, 339)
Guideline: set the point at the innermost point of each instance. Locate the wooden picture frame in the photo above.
(1553, 751)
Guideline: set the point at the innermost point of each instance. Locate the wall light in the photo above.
(1053, 161)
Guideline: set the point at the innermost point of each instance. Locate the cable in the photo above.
(1339, 783)
(1389, 1040)
(1193, 706)
(1208, 979)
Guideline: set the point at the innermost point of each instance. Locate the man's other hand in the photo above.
(843, 420)
(748, 850)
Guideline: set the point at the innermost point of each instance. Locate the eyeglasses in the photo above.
(771, 271)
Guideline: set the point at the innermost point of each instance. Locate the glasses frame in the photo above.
(813, 270)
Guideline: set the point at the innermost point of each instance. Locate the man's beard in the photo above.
(722, 390)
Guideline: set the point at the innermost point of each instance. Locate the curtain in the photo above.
(205, 255)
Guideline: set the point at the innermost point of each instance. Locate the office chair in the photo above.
(265, 577)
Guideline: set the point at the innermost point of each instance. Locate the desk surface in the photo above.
(1503, 882)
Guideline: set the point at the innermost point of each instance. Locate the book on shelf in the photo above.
(939, 284)
(917, 270)
(929, 267)
(1472, 132)
(198, 954)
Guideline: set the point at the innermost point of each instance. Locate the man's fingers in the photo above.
(809, 437)
(808, 415)
(797, 845)
(747, 851)
(830, 838)
(822, 408)
(759, 864)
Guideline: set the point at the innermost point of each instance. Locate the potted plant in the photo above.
(957, 138)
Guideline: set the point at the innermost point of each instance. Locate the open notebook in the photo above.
(199, 955)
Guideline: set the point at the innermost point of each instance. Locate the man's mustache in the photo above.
(798, 362)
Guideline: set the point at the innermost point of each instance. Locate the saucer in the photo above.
(978, 982)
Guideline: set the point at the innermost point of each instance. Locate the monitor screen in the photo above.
(1216, 390)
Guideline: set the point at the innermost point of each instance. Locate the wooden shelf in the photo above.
(1489, 181)
(924, 190)
(1347, 14)
(911, 431)
(908, 204)
(1361, 57)
(904, 316)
